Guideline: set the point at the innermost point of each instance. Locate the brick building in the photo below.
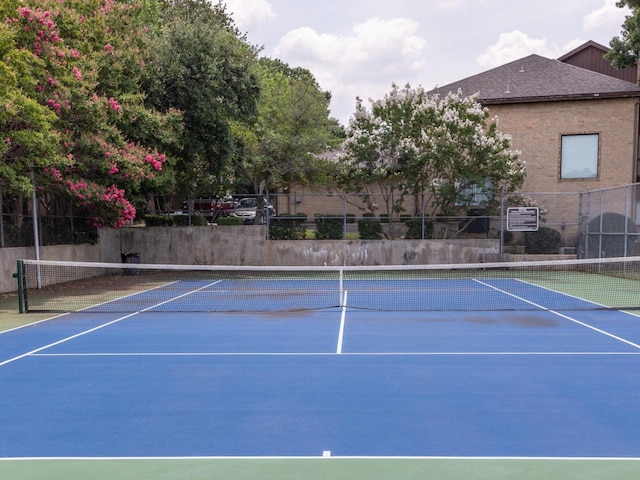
(575, 120)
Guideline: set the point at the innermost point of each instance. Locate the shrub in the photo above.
(196, 220)
(413, 228)
(545, 240)
(370, 229)
(230, 221)
(329, 227)
(288, 227)
(158, 221)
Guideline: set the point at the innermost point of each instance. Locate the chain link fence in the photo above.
(18, 231)
(592, 224)
(609, 222)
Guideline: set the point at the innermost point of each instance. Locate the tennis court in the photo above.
(481, 372)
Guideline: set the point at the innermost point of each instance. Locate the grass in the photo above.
(9, 316)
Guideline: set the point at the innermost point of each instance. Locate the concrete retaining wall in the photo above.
(71, 253)
(246, 245)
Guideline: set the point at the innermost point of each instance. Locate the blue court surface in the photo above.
(335, 382)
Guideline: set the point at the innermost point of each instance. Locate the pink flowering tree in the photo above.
(109, 150)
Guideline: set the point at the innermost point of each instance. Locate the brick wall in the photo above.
(536, 129)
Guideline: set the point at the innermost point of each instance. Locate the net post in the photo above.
(19, 275)
(341, 281)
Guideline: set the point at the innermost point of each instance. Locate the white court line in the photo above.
(20, 327)
(332, 457)
(330, 354)
(342, 322)
(103, 325)
(591, 327)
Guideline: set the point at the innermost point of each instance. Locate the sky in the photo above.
(359, 48)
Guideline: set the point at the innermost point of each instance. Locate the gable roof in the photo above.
(591, 55)
(538, 79)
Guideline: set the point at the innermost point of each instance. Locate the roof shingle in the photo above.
(535, 78)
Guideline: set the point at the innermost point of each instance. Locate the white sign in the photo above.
(523, 219)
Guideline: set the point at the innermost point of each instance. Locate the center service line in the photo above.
(342, 320)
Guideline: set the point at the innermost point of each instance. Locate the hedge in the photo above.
(329, 227)
(288, 227)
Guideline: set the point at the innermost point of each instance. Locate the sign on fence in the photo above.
(523, 219)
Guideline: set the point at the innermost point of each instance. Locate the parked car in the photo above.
(247, 207)
(211, 207)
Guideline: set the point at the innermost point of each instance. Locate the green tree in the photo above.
(625, 49)
(444, 152)
(202, 66)
(292, 129)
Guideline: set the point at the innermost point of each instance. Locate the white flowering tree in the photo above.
(447, 153)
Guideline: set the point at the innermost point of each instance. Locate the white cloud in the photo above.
(247, 13)
(606, 16)
(364, 63)
(514, 45)
(376, 45)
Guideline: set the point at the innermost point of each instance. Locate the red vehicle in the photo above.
(225, 207)
(211, 207)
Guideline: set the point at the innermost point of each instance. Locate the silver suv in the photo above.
(246, 209)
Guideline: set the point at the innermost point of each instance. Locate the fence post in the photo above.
(502, 221)
(22, 291)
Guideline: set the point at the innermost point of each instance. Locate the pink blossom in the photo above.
(115, 105)
(77, 73)
(108, 47)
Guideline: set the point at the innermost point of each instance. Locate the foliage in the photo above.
(230, 221)
(414, 228)
(288, 227)
(201, 66)
(292, 127)
(158, 221)
(369, 229)
(625, 49)
(74, 111)
(444, 152)
(544, 240)
(329, 227)
(29, 136)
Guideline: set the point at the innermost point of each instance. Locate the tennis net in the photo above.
(51, 286)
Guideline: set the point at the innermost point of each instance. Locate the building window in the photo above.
(579, 157)
(476, 195)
